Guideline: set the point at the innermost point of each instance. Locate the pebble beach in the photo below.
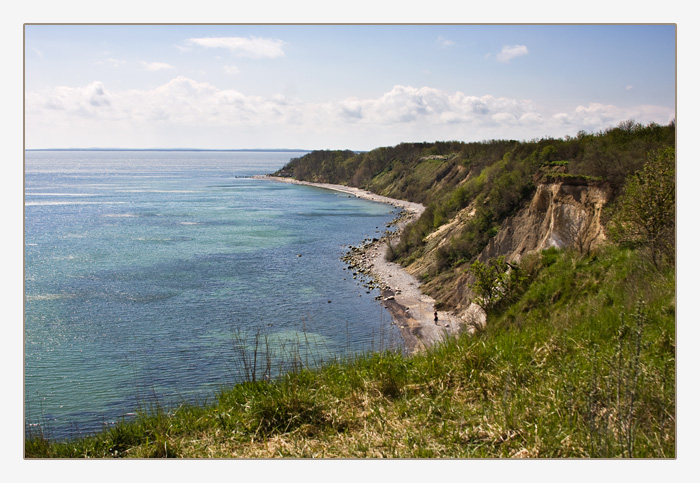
(412, 311)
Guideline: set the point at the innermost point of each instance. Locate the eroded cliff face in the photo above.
(561, 214)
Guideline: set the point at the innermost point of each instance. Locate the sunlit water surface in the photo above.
(145, 271)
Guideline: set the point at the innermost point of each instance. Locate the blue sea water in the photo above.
(146, 272)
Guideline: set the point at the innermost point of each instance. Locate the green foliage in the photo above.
(321, 166)
(495, 282)
(549, 256)
(492, 178)
(616, 152)
(645, 213)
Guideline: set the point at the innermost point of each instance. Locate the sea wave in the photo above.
(47, 296)
(58, 203)
(157, 191)
(29, 193)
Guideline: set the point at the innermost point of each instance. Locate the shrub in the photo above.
(645, 214)
(495, 281)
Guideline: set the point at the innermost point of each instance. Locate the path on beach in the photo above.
(412, 310)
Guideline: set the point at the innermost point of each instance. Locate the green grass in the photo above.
(582, 364)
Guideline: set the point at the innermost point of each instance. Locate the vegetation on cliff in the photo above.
(495, 177)
(578, 357)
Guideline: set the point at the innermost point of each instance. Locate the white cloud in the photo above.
(231, 69)
(596, 116)
(350, 109)
(591, 117)
(444, 42)
(67, 102)
(252, 47)
(504, 118)
(155, 66)
(402, 104)
(532, 118)
(185, 112)
(509, 52)
(111, 62)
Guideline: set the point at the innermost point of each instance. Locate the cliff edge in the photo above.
(561, 214)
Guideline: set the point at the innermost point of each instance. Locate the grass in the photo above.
(581, 365)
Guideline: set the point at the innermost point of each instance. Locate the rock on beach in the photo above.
(411, 310)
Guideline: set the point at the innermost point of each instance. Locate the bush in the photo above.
(645, 214)
(495, 281)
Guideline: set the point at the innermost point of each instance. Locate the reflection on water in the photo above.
(157, 290)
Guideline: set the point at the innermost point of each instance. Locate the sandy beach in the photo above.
(411, 310)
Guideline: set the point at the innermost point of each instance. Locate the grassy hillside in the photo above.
(577, 358)
(582, 364)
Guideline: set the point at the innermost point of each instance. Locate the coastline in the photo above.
(411, 310)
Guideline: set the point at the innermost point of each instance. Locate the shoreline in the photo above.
(411, 310)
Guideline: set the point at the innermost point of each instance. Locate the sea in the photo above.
(158, 278)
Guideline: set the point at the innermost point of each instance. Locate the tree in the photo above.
(494, 281)
(646, 210)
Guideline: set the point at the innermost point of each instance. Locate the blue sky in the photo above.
(338, 86)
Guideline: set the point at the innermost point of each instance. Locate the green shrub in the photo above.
(645, 214)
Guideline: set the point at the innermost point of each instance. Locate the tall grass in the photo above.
(582, 365)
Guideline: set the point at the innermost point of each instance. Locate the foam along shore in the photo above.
(412, 311)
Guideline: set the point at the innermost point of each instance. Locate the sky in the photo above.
(329, 86)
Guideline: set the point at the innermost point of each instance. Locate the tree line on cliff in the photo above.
(494, 176)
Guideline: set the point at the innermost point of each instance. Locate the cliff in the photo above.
(560, 214)
(494, 198)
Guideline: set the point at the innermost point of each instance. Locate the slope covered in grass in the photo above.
(580, 364)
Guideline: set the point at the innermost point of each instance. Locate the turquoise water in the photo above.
(146, 272)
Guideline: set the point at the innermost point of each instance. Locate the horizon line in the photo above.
(169, 149)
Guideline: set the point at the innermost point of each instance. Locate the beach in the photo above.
(411, 310)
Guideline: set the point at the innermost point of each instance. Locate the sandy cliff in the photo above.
(561, 214)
